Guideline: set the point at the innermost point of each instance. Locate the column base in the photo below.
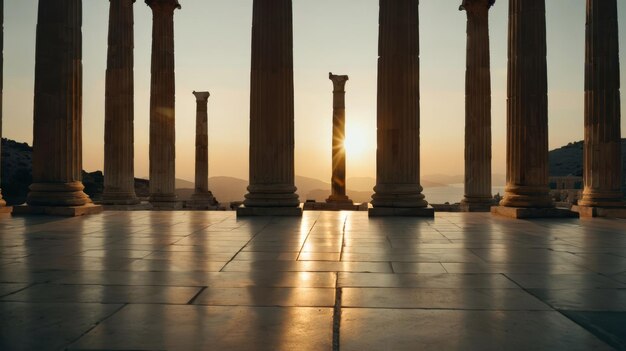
(525, 212)
(202, 201)
(335, 206)
(6, 209)
(118, 200)
(475, 206)
(66, 211)
(243, 211)
(428, 211)
(338, 199)
(592, 212)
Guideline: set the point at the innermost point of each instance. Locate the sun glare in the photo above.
(355, 142)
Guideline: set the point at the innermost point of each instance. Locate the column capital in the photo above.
(201, 95)
(473, 5)
(163, 5)
(339, 82)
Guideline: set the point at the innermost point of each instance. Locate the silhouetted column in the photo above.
(602, 150)
(527, 193)
(338, 180)
(477, 108)
(119, 174)
(3, 203)
(162, 105)
(271, 189)
(202, 197)
(57, 134)
(398, 190)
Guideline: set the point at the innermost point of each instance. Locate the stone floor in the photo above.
(327, 281)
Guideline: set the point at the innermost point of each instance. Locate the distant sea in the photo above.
(452, 193)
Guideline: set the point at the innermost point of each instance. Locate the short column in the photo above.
(602, 194)
(527, 193)
(271, 190)
(202, 198)
(398, 191)
(338, 179)
(119, 170)
(478, 197)
(162, 107)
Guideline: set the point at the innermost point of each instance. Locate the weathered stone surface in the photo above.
(119, 181)
(162, 105)
(602, 150)
(66, 211)
(402, 211)
(477, 108)
(594, 211)
(527, 111)
(398, 153)
(338, 179)
(271, 111)
(57, 135)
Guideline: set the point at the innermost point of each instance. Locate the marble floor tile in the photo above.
(398, 330)
(259, 296)
(185, 328)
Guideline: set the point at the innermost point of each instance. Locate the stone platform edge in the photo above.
(528, 213)
(243, 211)
(67, 211)
(428, 212)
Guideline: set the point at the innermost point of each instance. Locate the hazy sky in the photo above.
(213, 53)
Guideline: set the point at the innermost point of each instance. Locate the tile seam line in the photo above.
(68, 345)
(244, 246)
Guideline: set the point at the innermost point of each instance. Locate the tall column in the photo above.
(202, 198)
(338, 180)
(271, 190)
(57, 136)
(3, 204)
(398, 190)
(119, 174)
(477, 108)
(162, 106)
(602, 150)
(527, 193)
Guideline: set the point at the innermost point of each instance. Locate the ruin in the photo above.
(202, 197)
(162, 106)
(119, 182)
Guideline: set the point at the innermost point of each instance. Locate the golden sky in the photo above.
(213, 53)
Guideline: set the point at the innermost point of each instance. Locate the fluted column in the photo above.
(271, 111)
(477, 108)
(119, 174)
(2, 202)
(527, 107)
(602, 150)
(398, 190)
(338, 179)
(57, 134)
(162, 105)
(202, 197)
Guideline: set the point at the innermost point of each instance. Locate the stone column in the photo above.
(527, 193)
(119, 174)
(338, 179)
(3, 204)
(477, 108)
(57, 130)
(271, 190)
(162, 106)
(602, 150)
(202, 198)
(398, 191)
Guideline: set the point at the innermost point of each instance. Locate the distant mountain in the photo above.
(568, 160)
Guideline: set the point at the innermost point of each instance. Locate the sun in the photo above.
(355, 141)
